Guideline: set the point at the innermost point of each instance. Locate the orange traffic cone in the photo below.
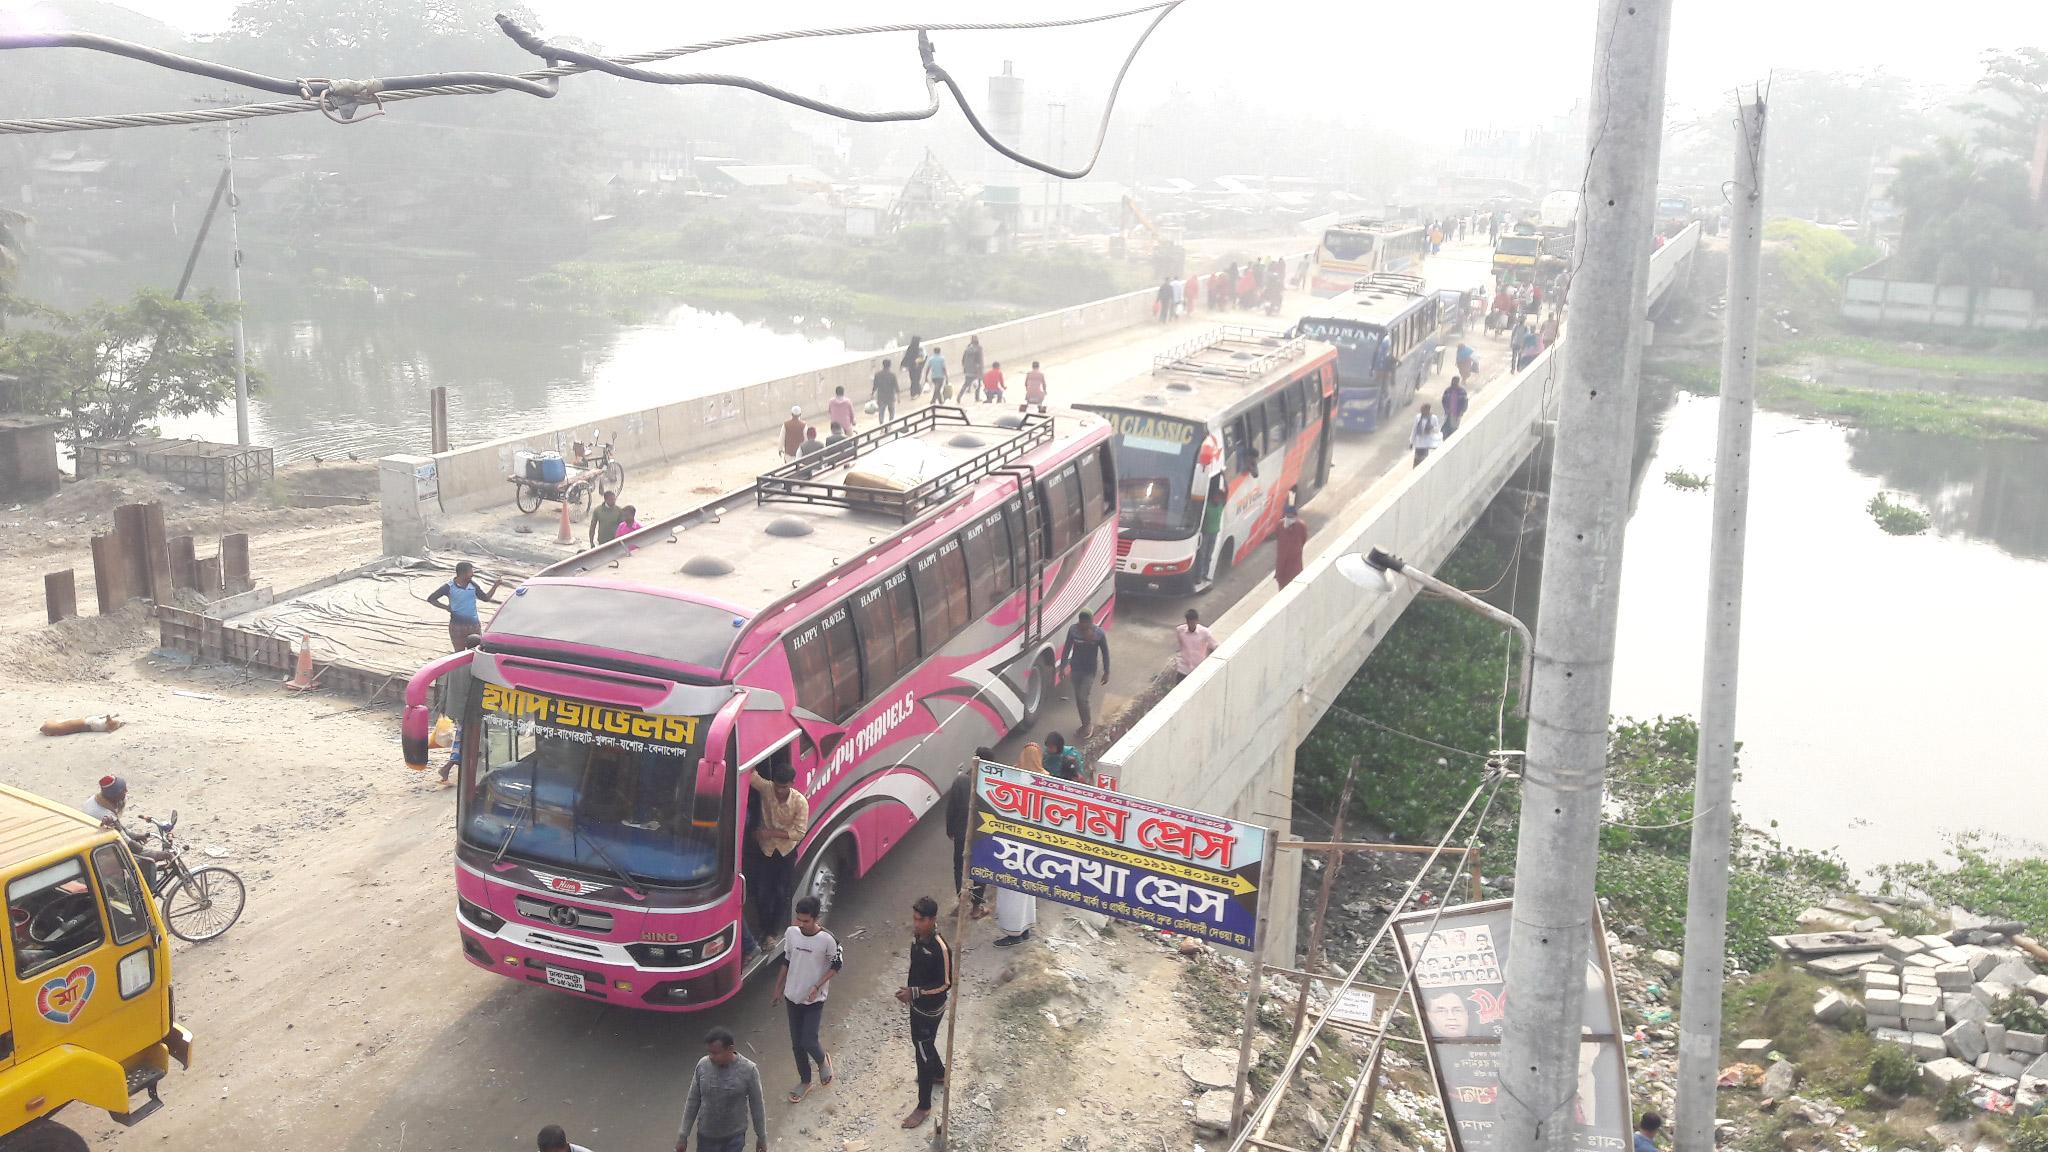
(302, 679)
(563, 535)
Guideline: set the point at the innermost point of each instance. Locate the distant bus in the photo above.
(1673, 214)
(1238, 420)
(1352, 250)
(1387, 332)
(865, 617)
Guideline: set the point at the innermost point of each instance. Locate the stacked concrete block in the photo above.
(1966, 1041)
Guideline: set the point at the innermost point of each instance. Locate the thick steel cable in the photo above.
(339, 99)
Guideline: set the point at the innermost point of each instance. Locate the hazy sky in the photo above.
(1495, 62)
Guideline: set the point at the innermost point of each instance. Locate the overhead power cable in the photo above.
(341, 99)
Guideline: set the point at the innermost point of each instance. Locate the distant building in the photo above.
(766, 178)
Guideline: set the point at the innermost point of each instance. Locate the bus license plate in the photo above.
(573, 981)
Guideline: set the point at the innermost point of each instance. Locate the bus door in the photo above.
(716, 771)
(1321, 405)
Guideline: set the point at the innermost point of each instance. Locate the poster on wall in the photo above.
(1457, 963)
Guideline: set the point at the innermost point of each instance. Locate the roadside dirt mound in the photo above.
(329, 478)
(68, 520)
(81, 648)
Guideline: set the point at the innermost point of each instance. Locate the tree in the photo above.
(1827, 130)
(111, 371)
(11, 225)
(1967, 218)
(2019, 81)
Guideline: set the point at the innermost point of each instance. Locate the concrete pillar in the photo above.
(408, 489)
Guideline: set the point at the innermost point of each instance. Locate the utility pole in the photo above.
(241, 339)
(1595, 445)
(1706, 908)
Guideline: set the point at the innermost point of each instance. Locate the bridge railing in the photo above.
(1667, 262)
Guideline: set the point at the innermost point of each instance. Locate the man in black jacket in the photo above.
(931, 979)
(959, 814)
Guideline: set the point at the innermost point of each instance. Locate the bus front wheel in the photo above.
(43, 1135)
(826, 876)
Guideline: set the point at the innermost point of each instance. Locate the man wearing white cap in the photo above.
(793, 432)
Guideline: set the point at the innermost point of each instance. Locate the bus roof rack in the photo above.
(1400, 282)
(1187, 357)
(797, 481)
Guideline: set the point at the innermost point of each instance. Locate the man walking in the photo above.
(725, 1093)
(1426, 435)
(459, 597)
(1085, 642)
(885, 394)
(607, 516)
(972, 361)
(935, 371)
(1290, 545)
(931, 979)
(839, 410)
(1455, 403)
(810, 958)
(793, 432)
(1193, 642)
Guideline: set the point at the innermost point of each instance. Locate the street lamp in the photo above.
(1373, 570)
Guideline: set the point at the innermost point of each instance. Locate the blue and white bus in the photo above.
(1387, 333)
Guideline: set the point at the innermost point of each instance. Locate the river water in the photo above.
(1887, 682)
(356, 379)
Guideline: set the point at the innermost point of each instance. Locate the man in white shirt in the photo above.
(553, 1139)
(1193, 644)
(810, 958)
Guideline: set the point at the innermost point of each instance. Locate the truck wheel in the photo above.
(44, 1135)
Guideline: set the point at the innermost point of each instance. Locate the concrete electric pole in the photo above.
(1706, 909)
(241, 341)
(1595, 447)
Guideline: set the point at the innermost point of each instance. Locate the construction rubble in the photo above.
(1949, 998)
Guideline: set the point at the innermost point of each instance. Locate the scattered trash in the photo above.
(1740, 1076)
(105, 723)
(195, 695)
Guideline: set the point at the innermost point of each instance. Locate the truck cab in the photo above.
(86, 1011)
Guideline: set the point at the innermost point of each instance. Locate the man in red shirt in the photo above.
(992, 383)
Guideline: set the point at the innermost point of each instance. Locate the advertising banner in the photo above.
(1123, 856)
(1458, 978)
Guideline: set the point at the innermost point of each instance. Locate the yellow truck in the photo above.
(86, 1013)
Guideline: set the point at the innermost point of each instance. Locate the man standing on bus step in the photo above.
(725, 1093)
(810, 958)
(1455, 403)
(1085, 642)
(785, 817)
(885, 394)
(839, 410)
(459, 597)
(1034, 389)
(931, 978)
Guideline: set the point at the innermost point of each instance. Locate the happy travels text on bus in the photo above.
(1210, 446)
(867, 616)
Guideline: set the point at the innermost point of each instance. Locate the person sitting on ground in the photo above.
(992, 384)
(811, 445)
(1062, 759)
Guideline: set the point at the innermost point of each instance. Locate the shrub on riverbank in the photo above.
(1895, 518)
(1434, 686)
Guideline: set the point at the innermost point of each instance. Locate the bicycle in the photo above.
(199, 904)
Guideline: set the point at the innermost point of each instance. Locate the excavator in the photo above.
(1169, 255)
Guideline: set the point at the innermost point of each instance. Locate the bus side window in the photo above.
(1297, 413)
(1256, 435)
(988, 562)
(886, 616)
(1094, 509)
(1280, 421)
(1062, 493)
(940, 576)
(1237, 446)
(824, 663)
(1018, 523)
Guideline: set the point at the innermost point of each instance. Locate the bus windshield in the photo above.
(1155, 467)
(1346, 244)
(606, 791)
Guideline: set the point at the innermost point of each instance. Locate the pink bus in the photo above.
(868, 616)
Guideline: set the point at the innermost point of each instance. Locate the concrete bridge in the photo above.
(1224, 739)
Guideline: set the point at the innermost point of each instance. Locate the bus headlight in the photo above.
(479, 916)
(681, 955)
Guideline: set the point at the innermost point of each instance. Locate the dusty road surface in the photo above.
(339, 1013)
